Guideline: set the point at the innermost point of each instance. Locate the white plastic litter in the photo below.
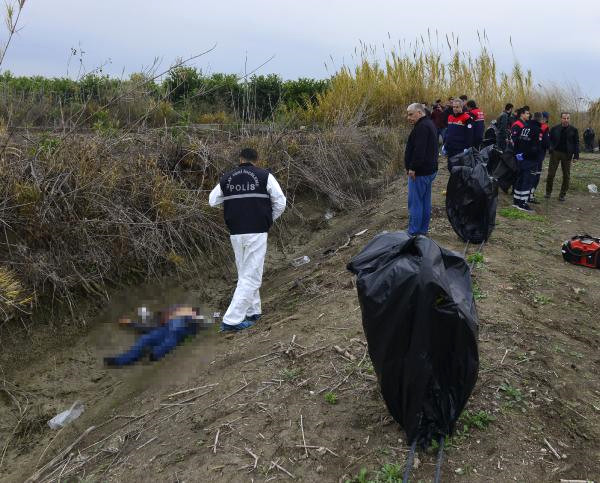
(296, 262)
(592, 188)
(64, 418)
(144, 313)
(328, 215)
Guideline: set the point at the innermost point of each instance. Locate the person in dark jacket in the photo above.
(252, 200)
(527, 148)
(545, 143)
(588, 139)
(503, 127)
(478, 122)
(421, 163)
(564, 148)
(447, 113)
(523, 115)
(438, 117)
(459, 135)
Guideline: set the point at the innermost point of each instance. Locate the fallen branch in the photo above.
(282, 469)
(552, 449)
(254, 456)
(146, 443)
(190, 390)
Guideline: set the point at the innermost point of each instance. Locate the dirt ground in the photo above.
(280, 402)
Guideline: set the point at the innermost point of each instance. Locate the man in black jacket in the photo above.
(564, 147)
(503, 127)
(421, 162)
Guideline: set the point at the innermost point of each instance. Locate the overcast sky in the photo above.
(558, 40)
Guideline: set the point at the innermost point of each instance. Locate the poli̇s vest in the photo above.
(246, 202)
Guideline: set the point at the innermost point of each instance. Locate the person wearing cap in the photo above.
(252, 200)
(564, 149)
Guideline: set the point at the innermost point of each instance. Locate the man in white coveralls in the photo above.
(252, 201)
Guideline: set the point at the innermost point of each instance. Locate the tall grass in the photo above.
(378, 91)
(82, 214)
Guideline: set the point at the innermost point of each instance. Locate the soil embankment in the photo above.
(280, 402)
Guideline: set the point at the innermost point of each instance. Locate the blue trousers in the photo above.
(419, 204)
(158, 342)
(525, 180)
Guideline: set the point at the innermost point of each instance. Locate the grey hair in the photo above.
(417, 106)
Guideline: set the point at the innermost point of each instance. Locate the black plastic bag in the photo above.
(421, 325)
(470, 157)
(506, 171)
(471, 201)
(494, 156)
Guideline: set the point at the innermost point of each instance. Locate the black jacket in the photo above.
(529, 140)
(246, 201)
(502, 130)
(572, 139)
(421, 153)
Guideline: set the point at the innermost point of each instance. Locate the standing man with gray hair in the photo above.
(421, 162)
(564, 148)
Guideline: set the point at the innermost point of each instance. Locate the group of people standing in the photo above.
(461, 125)
(253, 199)
(528, 140)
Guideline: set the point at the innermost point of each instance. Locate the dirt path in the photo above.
(280, 402)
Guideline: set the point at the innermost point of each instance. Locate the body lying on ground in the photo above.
(167, 331)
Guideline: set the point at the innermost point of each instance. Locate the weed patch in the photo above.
(476, 259)
(515, 214)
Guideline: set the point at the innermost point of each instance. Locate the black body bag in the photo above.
(471, 201)
(421, 325)
(506, 171)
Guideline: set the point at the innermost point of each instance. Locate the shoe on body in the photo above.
(561, 198)
(245, 324)
(254, 317)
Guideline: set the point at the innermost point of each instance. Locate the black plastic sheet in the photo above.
(421, 325)
(471, 157)
(471, 202)
(506, 171)
(493, 157)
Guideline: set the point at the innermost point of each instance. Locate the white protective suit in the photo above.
(249, 250)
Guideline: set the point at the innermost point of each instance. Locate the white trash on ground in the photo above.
(328, 215)
(296, 262)
(592, 188)
(64, 418)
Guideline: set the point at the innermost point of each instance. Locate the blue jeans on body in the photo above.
(419, 204)
(159, 342)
